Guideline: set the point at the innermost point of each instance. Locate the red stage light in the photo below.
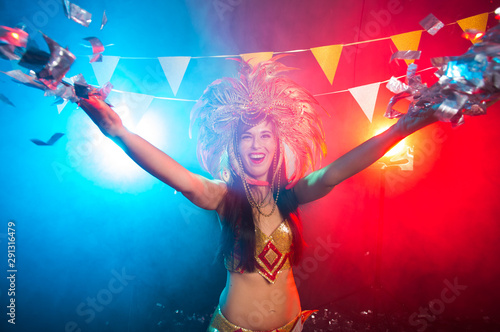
(396, 149)
(473, 35)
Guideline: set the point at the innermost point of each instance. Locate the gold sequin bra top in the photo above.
(272, 253)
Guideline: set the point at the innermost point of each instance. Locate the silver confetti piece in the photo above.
(77, 14)
(104, 20)
(431, 24)
(406, 55)
(59, 63)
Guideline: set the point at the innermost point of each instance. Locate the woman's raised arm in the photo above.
(321, 182)
(205, 193)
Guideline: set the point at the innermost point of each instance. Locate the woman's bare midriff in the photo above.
(251, 302)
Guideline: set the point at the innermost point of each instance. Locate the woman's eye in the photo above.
(245, 137)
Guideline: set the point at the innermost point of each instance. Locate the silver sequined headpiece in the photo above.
(260, 93)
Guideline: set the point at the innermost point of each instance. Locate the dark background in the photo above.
(84, 214)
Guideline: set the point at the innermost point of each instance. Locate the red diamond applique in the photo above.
(264, 255)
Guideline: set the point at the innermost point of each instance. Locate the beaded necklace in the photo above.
(249, 194)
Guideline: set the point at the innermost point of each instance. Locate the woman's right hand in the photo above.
(103, 116)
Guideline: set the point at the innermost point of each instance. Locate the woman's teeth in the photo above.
(257, 157)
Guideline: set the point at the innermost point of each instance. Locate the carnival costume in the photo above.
(219, 323)
(272, 253)
(258, 95)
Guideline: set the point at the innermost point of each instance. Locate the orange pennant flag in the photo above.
(407, 42)
(328, 58)
(256, 58)
(477, 22)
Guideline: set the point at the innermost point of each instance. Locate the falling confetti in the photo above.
(58, 65)
(12, 40)
(97, 49)
(6, 100)
(13, 36)
(20, 77)
(51, 141)
(104, 20)
(77, 14)
(431, 24)
(406, 55)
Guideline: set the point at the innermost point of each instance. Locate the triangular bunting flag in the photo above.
(328, 58)
(60, 107)
(130, 106)
(407, 42)
(477, 22)
(174, 69)
(255, 58)
(104, 70)
(366, 97)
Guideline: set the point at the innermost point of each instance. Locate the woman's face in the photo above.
(257, 146)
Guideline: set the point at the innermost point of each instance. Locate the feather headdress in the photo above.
(260, 93)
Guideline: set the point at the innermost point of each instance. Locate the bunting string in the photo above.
(328, 57)
(307, 49)
(161, 98)
(385, 81)
(315, 95)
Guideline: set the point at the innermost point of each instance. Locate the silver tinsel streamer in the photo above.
(467, 84)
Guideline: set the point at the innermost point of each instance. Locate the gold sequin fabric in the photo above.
(272, 253)
(219, 323)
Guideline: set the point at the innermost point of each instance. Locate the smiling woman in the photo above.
(246, 125)
(98, 211)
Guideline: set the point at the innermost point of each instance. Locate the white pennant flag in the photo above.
(105, 69)
(174, 69)
(130, 106)
(61, 106)
(366, 97)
